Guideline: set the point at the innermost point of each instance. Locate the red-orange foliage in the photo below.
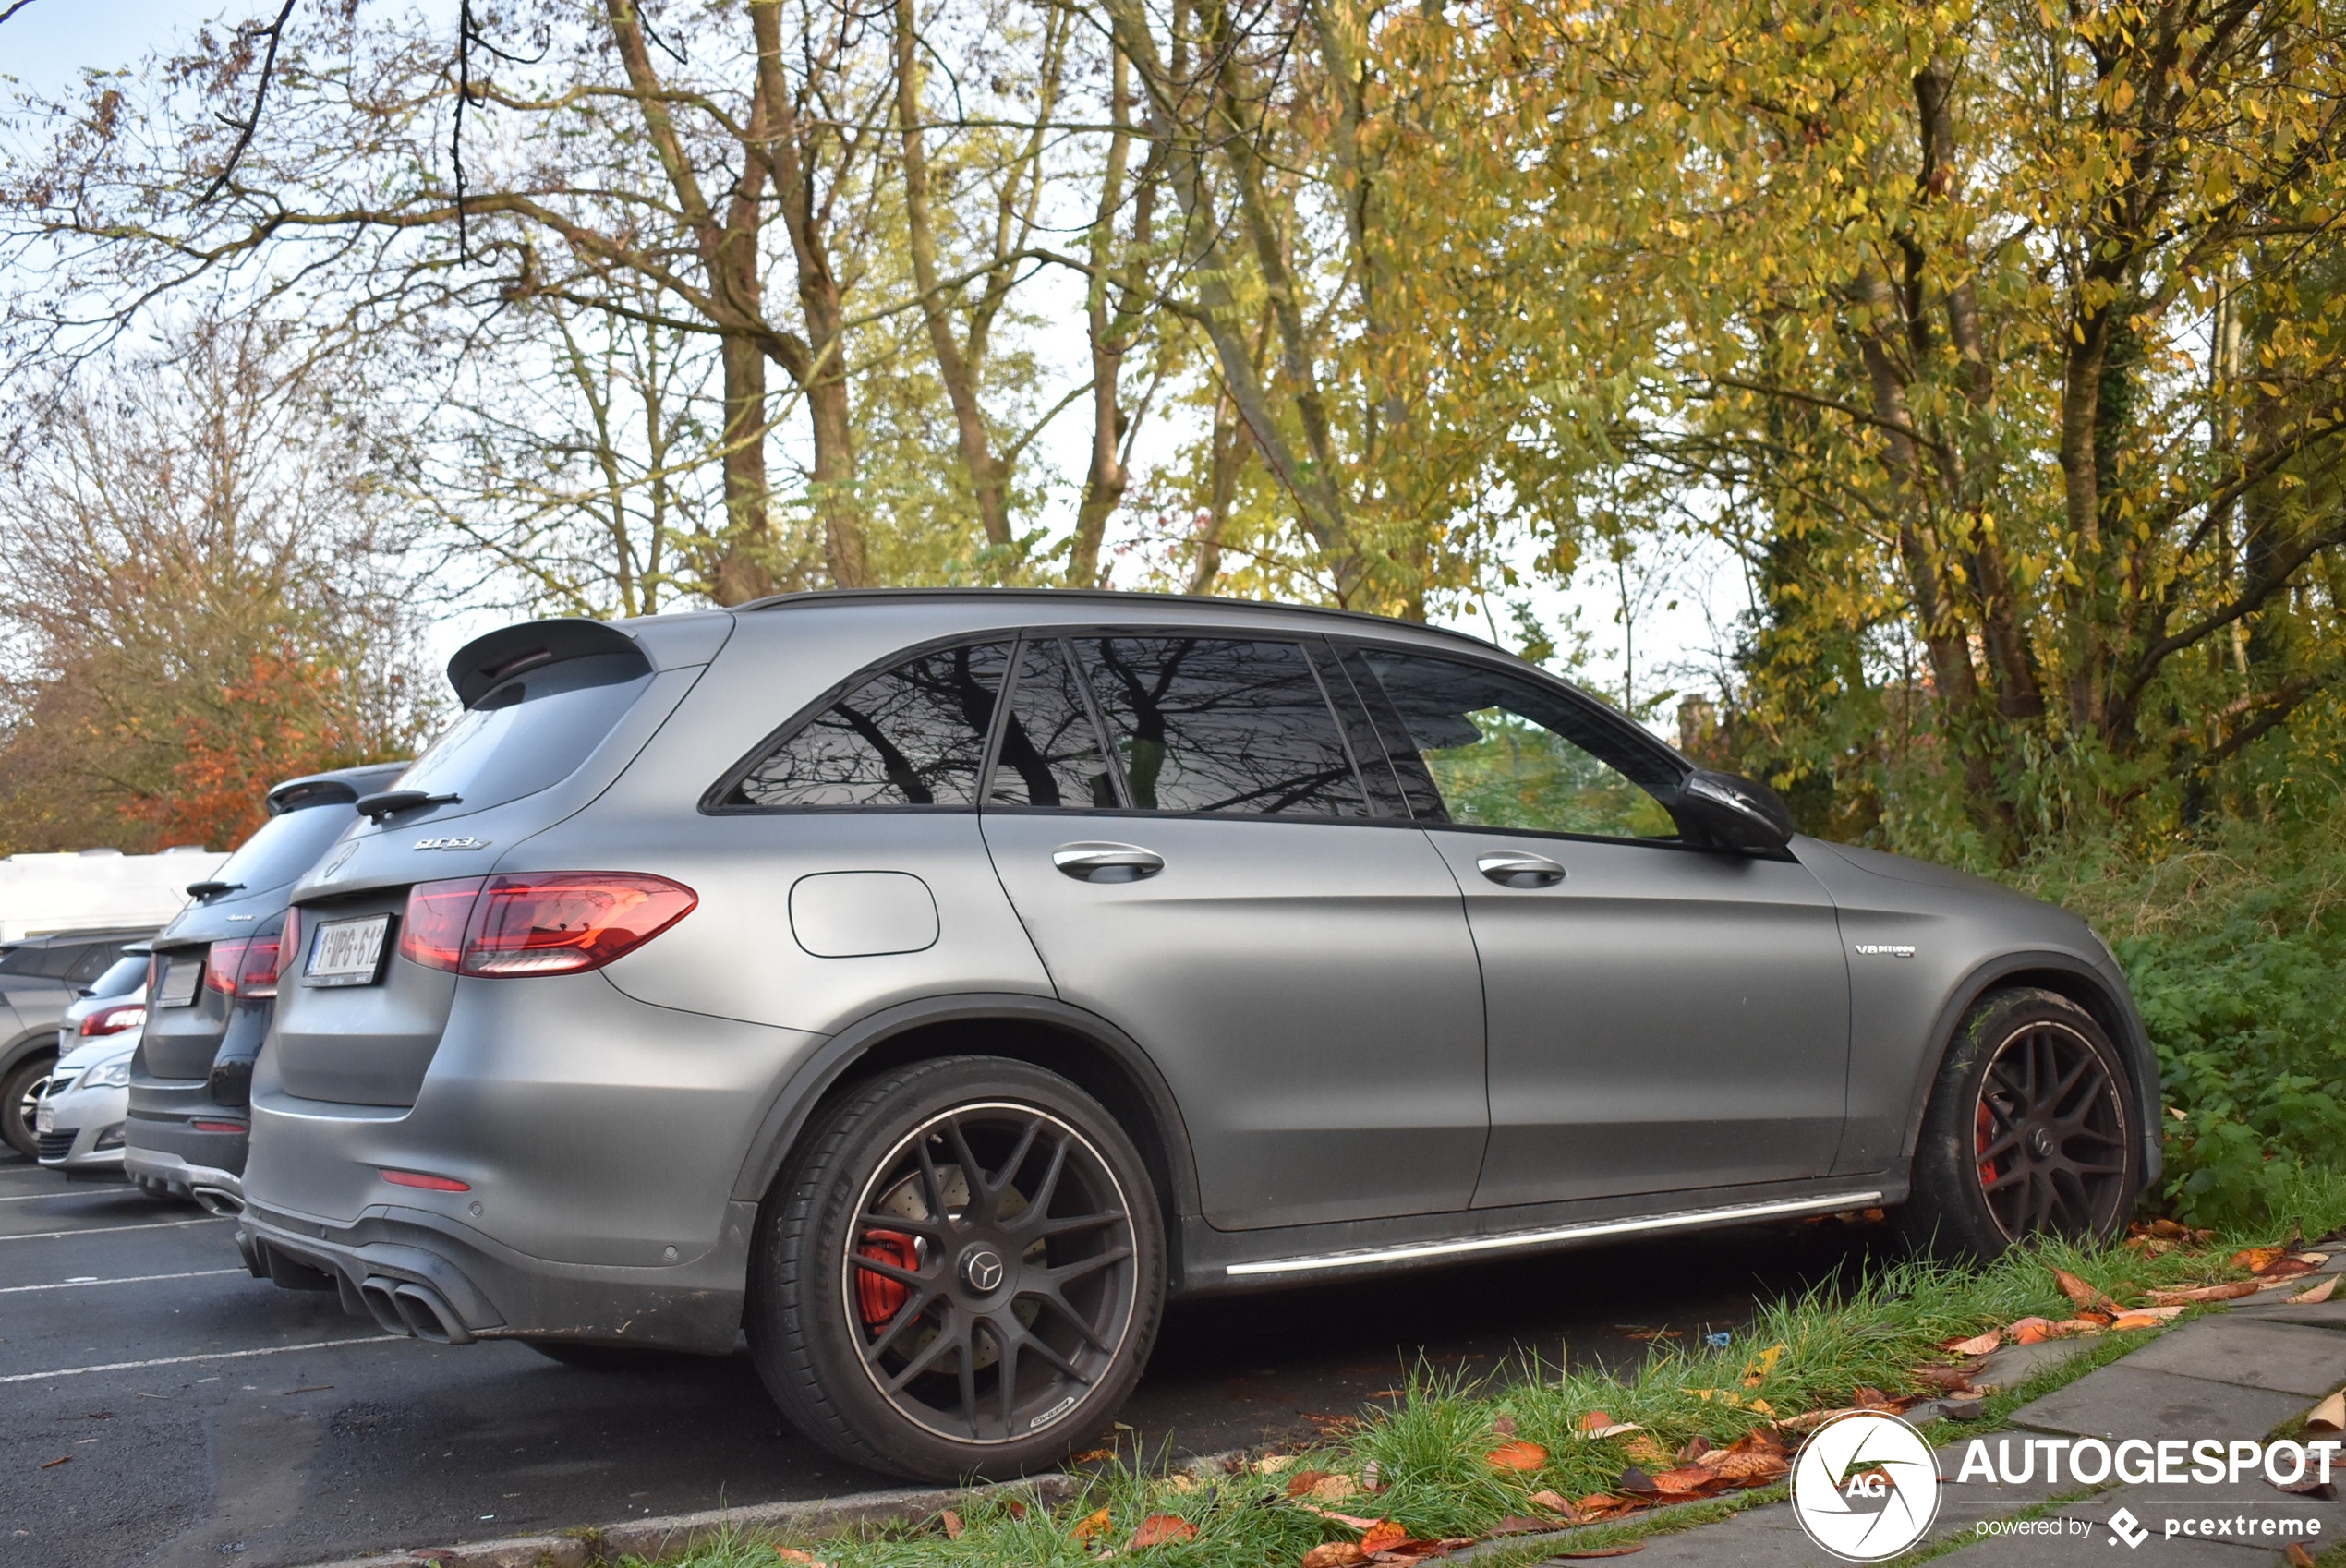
(290, 716)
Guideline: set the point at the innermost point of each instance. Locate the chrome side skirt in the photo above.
(1469, 1246)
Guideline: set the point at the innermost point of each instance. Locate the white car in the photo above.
(79, 1120)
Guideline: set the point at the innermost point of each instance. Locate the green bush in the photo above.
(2236, 947)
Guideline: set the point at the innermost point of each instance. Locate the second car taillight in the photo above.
(244, 967)
(537, 922)
(114, 1020)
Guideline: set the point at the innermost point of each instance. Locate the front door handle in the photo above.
(1108, 863)
(1520, 870)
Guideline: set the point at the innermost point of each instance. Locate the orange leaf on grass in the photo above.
(1519, 1456)
(1979, 1344)
(1555, 1503)
(1383, 1536)
(2256, 1259)
(2287, 1269)
(1686, 1480)
(1158, 1529)
(2032, 1331)
(2087, 1296)
(952, 1523)
(1595, 1421)
(2231, 1292)
(1092, 1526)
(2318, 1294)
(1335, 1555)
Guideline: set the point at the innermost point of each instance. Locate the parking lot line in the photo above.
(111, 1230)
(207, 1356)
(132, 1278)
(93, 1192)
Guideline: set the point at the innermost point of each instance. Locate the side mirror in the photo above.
(1725, 811)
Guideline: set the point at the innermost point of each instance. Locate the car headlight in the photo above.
(108, 1075)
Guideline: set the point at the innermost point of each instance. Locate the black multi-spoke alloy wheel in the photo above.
(2032, 1131)
(960, 1275)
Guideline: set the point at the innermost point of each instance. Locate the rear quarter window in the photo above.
(530, 733)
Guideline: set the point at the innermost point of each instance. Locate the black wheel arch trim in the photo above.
(33, 1042)
(837, 1059)
(2112, 1005)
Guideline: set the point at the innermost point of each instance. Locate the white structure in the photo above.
(97, 889)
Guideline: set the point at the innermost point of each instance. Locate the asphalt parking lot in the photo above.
(159, 1405)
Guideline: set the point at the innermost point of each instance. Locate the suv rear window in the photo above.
(122, 977)
(530, 734)
(284, 847)
(914, 736)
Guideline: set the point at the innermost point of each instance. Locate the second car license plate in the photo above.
(347, 952)
(44, 1120)
(180, 976)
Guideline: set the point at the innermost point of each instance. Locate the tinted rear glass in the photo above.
(49, 963)
(530, 734)
(914, 736)
(285, 847)
(122, 977)
(1206, 725)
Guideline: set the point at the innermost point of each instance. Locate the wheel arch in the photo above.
(32, 1043)
(1083, 1047)
(2064, 975)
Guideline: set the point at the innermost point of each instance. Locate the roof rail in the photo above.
(1102, 595)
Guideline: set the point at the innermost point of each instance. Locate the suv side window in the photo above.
(1504, 752)
(1211, 724)
(1051, 753)
(914, 736)
(94, 962)
(44, 963)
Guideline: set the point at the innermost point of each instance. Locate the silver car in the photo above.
(933, 982)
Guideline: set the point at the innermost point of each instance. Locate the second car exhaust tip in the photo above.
(218, 1202)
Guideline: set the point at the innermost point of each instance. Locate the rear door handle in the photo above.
(1520, 870)
(1107, 862)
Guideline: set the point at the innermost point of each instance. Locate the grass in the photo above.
(1427, 1443)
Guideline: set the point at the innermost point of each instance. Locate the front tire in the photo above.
(961, 1274)
(2031, 1131)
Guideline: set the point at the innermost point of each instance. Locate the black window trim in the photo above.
(714, 801)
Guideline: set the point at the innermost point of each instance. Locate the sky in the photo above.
(1682, 605)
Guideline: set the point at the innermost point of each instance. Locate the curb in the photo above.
(650, 1537)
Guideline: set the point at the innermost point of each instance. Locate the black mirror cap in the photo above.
(1726, 811)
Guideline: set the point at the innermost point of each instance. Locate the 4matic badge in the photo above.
(463, 841)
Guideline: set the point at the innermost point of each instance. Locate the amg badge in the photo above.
(465, 842)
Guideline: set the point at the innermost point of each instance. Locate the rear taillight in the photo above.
(537, 922)
(244, 967)
(114, 1020)
(427, 1183)
(432, 931)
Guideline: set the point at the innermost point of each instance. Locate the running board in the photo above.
(1684, 1220)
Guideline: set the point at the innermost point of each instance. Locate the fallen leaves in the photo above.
(1519, 1455)
(1556, 1504)
(1159, 1528)
(2297, 1556)
(792, 1554)
(2086, 1295)
(952, 1523)
(2194, 1294)
(2317, 1294)
(1335, 1555)
(1321, 1486)
(1979, 1345)
(1092, 1526)
(2328, 1418)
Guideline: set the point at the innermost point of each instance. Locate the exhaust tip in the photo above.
(218, 1202)
(375, 1291)
(428, 1315)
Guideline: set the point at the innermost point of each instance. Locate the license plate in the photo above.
(44, 1120)
(180, 978)
(347, 952)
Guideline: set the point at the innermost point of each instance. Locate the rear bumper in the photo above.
(160, 1164)
(420, 1274)
(173, 1136)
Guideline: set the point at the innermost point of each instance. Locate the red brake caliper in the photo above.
(1984, 1135)
(881, 1298)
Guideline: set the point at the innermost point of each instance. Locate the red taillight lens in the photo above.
(564, 922)
(432, 931)
(256, 977)
(289, 943)
(428, 1183)
(243, 967)
(222, 961)
(114, 1020)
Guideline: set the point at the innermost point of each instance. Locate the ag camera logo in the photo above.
(1864, 1487)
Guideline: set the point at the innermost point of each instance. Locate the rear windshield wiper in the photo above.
(209, 889)
(390, 802)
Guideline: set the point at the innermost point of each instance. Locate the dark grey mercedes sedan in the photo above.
(932, 982)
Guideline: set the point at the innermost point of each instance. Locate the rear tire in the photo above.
(960, 1273)
(16, 1087)
(2032, 1130)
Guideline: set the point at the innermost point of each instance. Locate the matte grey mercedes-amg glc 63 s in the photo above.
(933, 982)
